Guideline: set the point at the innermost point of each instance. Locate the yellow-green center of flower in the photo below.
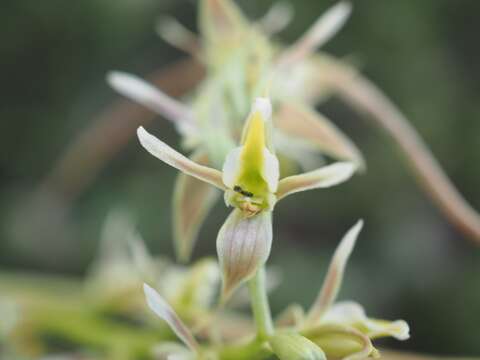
(250, 190)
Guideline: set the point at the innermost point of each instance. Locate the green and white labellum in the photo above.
(243, 245)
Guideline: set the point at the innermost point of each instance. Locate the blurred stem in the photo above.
(253, 350)
(364, 96)
(84, 328)
(260, 307)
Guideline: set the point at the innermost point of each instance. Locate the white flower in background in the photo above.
(124, 263)
(240, 60)
(252, 185)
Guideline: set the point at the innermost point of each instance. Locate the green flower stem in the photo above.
(260, 306)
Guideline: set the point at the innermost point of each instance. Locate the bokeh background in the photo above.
(409, 262)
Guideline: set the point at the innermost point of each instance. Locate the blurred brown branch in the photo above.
(111, 130)
(366, 98)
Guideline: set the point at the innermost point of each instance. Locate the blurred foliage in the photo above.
(424, 55)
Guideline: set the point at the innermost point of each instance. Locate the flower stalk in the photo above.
(260, 306)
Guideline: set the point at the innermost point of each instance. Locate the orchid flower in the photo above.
(341, 329)
(124, 261)
(240, 58)
(251, 182)
(330, 330)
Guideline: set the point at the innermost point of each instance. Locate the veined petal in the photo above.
(192, 201)
(243, 245)
(152, 98)
(321, 32)
(306, 124)
(334, 277)
(173, 158)
(352, 314)
(292, 346)
(160, 307)
(324, 177)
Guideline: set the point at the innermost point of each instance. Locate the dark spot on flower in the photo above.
(238, 189)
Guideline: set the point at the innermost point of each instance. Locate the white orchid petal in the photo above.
(177, 35)
(344, 312)
(271, 170)
(328, 24)
(334, 277)
(151, 97)
(277, 18)
(173, 158)
(243, 245)
(324, 177)
(319, 33)
(264, 107)
(231, 167)
(160, 307)
(398, 329)
(304, 123)
(351, 313)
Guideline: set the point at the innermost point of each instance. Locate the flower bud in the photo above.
(292, 346)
